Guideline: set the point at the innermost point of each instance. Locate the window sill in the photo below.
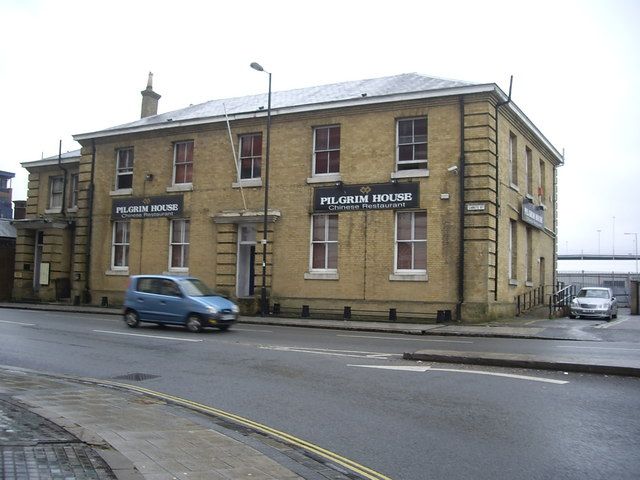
(120, 273)
(247, 183)
(529, 196)
(181, 187)
(121, 191)
(177, 271)
(528, 283)
(514, 187)
(321, 276)
(53, 210)
(513, 282)
(72, 209)
(327, 178)
(410, 173)
(409, 277)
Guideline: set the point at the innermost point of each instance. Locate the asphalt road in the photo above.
(352, 393)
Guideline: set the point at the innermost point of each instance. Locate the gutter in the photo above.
(462, 202)
(87, 262)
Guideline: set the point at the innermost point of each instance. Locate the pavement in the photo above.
(57, 427)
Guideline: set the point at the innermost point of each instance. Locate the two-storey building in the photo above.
(408, 193)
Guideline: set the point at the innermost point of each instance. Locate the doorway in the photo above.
(37, 260)
(245, 277)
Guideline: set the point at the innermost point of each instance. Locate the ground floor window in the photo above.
(324, 243)
(120, 245)
(179, 245)
(411, 242)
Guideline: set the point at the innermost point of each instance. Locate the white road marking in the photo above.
(599, 348)
(394, 367)
(325, 351)
(18, 323)
(454, 370)
(611, 324)
(406, 339)
(149, 336)
(251, 330)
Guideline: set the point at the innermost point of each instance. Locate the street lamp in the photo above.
(635, 234)
(264, 304)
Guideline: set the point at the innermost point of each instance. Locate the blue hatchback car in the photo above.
(175, 300)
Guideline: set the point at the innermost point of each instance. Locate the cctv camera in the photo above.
(453, 169)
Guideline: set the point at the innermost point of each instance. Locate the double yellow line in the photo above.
(361, 470)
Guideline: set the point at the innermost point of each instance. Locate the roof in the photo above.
(67, 157)
(332, 95)
(407, 86)
(7, 174)
(6, 229)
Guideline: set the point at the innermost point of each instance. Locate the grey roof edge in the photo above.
(72, 156)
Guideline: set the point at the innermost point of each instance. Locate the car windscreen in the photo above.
(193, 287)
(588, 293)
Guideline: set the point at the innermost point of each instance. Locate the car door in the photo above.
(171, 302)
(145, 299)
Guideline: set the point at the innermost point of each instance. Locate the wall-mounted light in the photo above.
(453, 169)
(148, 177)
(339, 184)
(394, 181)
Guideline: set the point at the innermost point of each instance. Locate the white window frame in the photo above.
(325, 241)
(426, 143)
(125, 244)
(412, 241)
(253, 158)
(513, 159)
(513, 252)
(316, 150)
(124, 171)
(175, 164)
(183, 244)
(56, 190)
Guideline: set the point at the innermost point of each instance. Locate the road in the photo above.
(351, 393)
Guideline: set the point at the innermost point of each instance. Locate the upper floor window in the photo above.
(411, 242)
(73, 197)
(324, 242)
(326, 150)
(513, 159)
(513, 250)
(529, 169)
(542, 181)
(179, 259)
(250, 157)
(56, 186)
(412, 144)
(183, 162)
(120, 245)
(124, 168)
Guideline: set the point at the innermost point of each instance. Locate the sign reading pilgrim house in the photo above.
(147, 207)
(380, 196)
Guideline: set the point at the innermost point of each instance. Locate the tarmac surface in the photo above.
(56, 427)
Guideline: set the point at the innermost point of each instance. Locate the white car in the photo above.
(595, 302)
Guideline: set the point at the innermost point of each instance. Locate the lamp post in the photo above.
(635, 234)
(264, 305)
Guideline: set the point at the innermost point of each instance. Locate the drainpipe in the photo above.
(87, 261)
(498, 105)
(462, 202)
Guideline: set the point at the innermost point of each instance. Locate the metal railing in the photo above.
(528, 300)
(561, 299)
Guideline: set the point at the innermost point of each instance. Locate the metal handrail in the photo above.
(561, 299)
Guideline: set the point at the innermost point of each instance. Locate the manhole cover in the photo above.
(136, 377)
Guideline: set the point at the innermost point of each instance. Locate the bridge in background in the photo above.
(596, 256)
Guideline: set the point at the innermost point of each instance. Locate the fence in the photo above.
(348, 313)
(619, 283)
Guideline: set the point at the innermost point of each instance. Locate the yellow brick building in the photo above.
(403, 195)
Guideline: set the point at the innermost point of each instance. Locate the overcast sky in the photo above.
(69, 67)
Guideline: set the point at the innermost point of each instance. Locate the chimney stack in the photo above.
(149, 99)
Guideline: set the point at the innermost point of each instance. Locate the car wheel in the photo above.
(132, 319)
(193, 323)
(572, 317)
